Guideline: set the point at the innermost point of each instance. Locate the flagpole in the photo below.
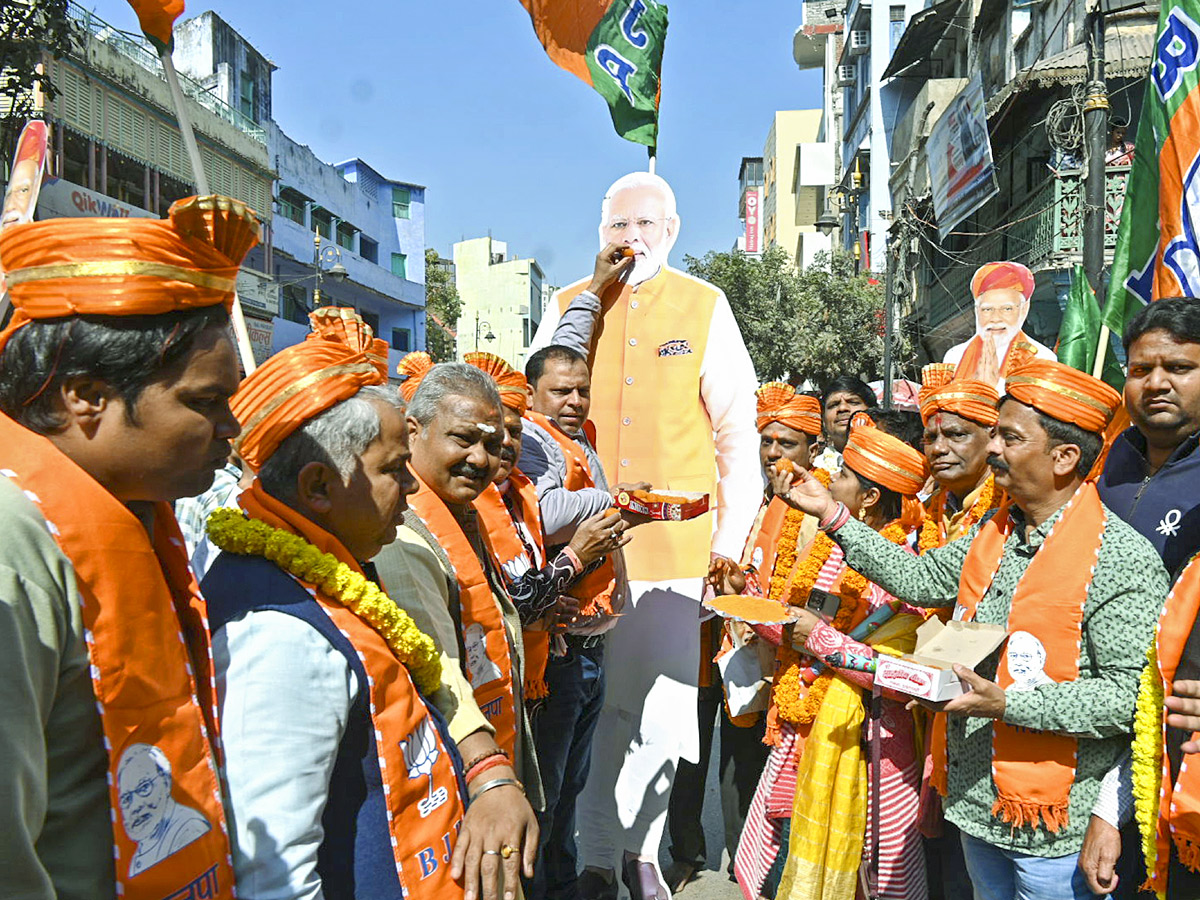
(1101, 351)
(245, 351)
(651, 168)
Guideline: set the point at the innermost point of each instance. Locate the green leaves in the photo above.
(442, 309)
(811, 325)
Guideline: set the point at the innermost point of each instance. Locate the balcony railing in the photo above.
(139, 51)
(1045, 231)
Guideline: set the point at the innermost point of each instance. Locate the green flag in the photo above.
(616, 46)
(1158, 248)
(1079, 334)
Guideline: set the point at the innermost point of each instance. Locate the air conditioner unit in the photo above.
(845, 75)
(860, 41)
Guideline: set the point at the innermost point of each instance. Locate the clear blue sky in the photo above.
(459, 96)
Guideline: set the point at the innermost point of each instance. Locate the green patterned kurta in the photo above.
(1123, 602)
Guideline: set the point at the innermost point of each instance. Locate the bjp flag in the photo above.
(1158, 245)
(616, 46)
(157, 18)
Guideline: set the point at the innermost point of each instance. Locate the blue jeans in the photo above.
(562, 733)
(999, 874)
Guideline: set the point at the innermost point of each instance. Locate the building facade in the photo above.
(502, 299)
(340, 234)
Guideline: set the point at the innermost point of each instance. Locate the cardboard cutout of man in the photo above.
(1002, 291)
(673, 405)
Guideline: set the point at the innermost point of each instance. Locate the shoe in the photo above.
(592, 885)
(679, 875)
(642, 880)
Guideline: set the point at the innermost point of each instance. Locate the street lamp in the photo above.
(330, 255)
(489, 337)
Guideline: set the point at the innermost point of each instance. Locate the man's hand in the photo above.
(632, 519)
(800, 490)
(602, 534)
(1098, 858)
(803, 622)
(985, 699)
(565, 613)
(499, 820)
(725, 576)
(611, 264)
(1184, 704)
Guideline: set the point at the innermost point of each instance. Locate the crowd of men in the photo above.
(315, 634)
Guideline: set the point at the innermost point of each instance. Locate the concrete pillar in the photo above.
(91, 172)
(877, 178)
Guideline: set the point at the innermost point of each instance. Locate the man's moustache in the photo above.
(474, 473)
(997, 463)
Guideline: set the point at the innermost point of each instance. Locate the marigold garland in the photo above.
(794, 703)
(786, 549)
(233, 532)
(1147, 757)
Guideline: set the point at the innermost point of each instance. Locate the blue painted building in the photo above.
(328, 220)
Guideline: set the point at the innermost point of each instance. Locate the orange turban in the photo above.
(339, 357)
(413, 369)
(778, 402)
(1009, 276)
(127, 267)
(509, 381)
(942, 392)
(1064, 393)
(889, 462)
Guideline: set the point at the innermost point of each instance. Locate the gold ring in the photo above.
(506, 851)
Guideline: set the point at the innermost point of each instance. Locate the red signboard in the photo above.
(753, 220)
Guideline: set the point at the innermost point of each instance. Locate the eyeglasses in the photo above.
(618, 226)
(142, 789)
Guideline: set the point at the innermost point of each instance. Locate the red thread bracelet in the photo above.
(479, 768)
(487, 754)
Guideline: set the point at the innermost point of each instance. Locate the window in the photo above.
(247, 99)
(401, 201)
(401, 339)
(371, 319)
(291, 205)
(322, 223)
(368, 249)
(400, 265)
(295, 304)
(345, 235)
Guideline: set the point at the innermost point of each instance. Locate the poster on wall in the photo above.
(962, 174)
(753, 219)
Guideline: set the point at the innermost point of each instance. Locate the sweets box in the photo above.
(691, 505)
(928, 671)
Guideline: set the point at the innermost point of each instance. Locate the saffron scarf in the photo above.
(1019, 350)
(151, 666)
(1167, 811)
(508, 553)
(595, 589)
(421, 786)
(1034, 770)
(829, 812)
(489, 662)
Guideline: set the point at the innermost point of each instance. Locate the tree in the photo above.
(31, 31)
(809, 325)
(442, 308)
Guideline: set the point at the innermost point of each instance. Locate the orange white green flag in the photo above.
(157, 18)
(1158, 245)
(616, 46)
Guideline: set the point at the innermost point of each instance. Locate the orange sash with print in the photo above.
(489, 663)
(424, 803)
(511, 558)
(760, 551)
(1034, 770)
(594, 589)
(1179, 802)
(148, 644)
(969, 364)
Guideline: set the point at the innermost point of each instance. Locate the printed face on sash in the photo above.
(1026, 657)
(639, 210)
(152, 819)
(480, 668)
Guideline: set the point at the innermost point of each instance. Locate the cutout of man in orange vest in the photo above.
(673, 405)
